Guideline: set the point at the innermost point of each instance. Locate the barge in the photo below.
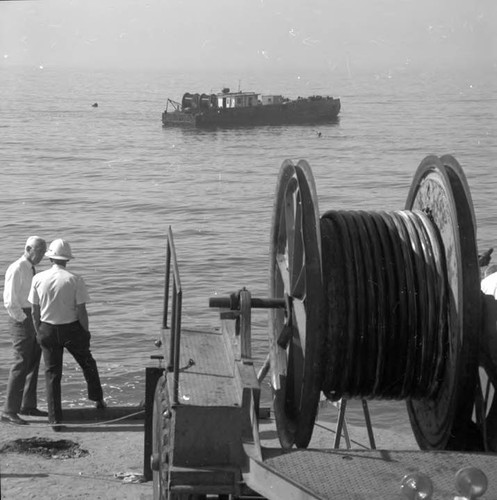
(362, 305)
(228, 109)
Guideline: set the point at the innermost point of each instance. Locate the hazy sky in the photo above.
(233, 34)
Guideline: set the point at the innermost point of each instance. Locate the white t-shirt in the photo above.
(58, 292)
(489, 285)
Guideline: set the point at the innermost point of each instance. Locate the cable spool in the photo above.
(384, 305)
(385, 285)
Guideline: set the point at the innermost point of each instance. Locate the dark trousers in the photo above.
(23, 376)
(53, 339)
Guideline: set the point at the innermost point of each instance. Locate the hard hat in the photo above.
(60, 250)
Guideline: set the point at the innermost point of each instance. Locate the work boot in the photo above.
(13, 418)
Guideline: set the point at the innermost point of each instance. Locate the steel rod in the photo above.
(255, 303)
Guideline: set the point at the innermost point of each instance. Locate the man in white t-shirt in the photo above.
(60, 318)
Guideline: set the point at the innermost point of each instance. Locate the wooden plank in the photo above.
(208, 379)
(204, 479)
(232, 339)
(246, 376)
(103, 414)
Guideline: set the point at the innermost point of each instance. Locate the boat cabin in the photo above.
(227, 99)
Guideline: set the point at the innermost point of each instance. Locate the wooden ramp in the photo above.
(208, 418)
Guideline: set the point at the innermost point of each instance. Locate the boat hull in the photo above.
(300, 111)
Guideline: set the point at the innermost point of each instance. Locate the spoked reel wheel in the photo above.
(295, 274)
(441, 191)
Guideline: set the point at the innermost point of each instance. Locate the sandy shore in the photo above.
(115, 456)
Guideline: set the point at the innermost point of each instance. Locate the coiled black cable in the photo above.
(385, 285)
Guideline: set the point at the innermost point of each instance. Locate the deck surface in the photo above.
(210, 381)
(374, 474)
(360, 473)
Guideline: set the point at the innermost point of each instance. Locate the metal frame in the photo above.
(177, 298)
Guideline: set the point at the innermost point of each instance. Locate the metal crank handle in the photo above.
(232, 303)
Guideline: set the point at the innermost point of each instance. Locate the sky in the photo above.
(243, 34)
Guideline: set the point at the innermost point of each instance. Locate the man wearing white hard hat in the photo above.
(60, 318)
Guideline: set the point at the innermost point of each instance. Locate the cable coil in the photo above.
(385, 287)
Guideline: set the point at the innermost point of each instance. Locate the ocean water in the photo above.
(111, 180)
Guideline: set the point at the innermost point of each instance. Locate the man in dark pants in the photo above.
(23, 377)
(60, 318)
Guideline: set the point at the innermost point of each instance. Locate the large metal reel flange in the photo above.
(440, 189)
(296, 339)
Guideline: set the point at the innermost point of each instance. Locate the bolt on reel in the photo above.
(380, 305)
